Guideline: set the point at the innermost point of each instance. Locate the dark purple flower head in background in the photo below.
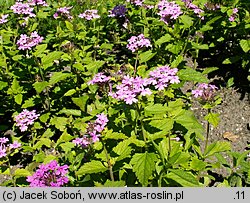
(118, 11)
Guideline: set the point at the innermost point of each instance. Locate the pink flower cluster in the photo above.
(234, 15)
(99, 78)
(195, 8)
(168, 11)
(23, 9)
(37, 2)
(93, 131)
(25, 42)
(136, 42)
(49, 175)
(63, 12)
(140, 3)
(89, 14)
(3, 19)
(4, 147)
(205, 92)
(26, 118)
(163, 76)
(130, 89)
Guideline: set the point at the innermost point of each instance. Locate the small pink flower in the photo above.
(15, 145)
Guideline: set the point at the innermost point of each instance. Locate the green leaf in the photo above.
(28, 103)
(94, 66)
(67, 147)
(44, 117)
(110, 183)
(59, 122)
(217, 147)
(3, 85)
(209, 70)
(155, 109)
(40, 86)
(65, 137)
(69, 26)
(199, 46)
(40, 49)
(70, 92)
(19, 98)
(121, 147)
(146, 56)
(21, 173)
(73, 112)
(177, 61)
(213, 118)
(187, 21)
(43, 141)
(163, 39)
(189, 121)
(91, 167)
(114, 135)
(81, 101)
(15, 88)
(245, 45)
(48, 133)
(49, 59)
(143, 166)
(58, 76)
(197, 165)
(190, 74)
(184, 178)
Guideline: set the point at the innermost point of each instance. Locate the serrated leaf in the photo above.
(44, 117)
(109, 183)
(186, 20)
(67, 147)
(59, 122)
(155, 109)
(209, 70)
(65, 137)
(58, 76)
(114, 135)
(177, 61)
(49, 59)
(21, 173)
(28, 103)
(143, 166)
(43, 141)
(184, 178)
(73, 112)
(213, 118)
(163, 39)
(69, 26)
(197, 165)
(190, 74)
(81, 101)
(245, 45)
(199, 46)
(40, 49)
(48, 133)
(94, 66)
(40, 86)
(3, 85)
(92, 167)
(146, 56)
(217, 147)
(18, 98)
(122, 147)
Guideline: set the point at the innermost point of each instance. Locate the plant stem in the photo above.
(136, 61)
(11, 175)
(207, 136)
(109, 163)
(169, 144)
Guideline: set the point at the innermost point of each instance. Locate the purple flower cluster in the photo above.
(168, 11)
(3, 19)
(234, 15)
(93, 131)
(136, 42)
(118, 11)
(37, 2)
(195, 8)
(89, 14)
(205, 92)
(4, 147)
(130, 89)
(23, 9)
(26, 118)
(63, 12)
(49, 175)
(163, 76)
(99, 78)
(25, 42)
